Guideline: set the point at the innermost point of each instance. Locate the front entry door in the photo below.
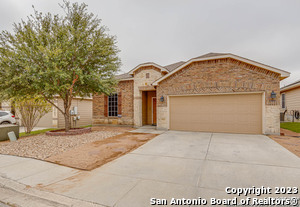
(154, 111)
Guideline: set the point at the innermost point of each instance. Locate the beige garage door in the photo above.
(217, 113)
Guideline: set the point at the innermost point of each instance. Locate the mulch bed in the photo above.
(72, 131)
(112, 128)
(95, 154)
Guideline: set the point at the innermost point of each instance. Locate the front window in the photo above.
(283, 100)
(113, 105)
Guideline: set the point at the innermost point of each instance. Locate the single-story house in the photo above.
(216, 92)
(290, 102)
(82, 116)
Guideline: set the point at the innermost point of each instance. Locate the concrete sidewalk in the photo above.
(33, 172)
(14, 194)
(148, 129)
(21, 180)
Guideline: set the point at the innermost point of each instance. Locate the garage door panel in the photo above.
(217, 113)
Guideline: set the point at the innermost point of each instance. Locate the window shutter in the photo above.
(120, 103)
(105, 105)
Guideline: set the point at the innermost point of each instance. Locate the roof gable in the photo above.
(212, 56)
(147, 64)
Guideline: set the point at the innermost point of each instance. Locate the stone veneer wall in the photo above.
(141, 83)
(272, 119)
(222, 76)
(126, 89)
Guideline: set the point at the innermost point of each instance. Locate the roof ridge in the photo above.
(211, 54)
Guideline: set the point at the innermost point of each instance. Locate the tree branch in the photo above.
(72, 86)
(53, 104)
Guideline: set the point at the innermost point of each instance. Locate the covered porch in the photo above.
(149, 108)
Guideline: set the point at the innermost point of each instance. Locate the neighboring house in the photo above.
(5, 106)
(216, 92)
(290, 102)
(55, 119)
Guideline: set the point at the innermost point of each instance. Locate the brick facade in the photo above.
(215, 76)
(125, 89)
(222, 76)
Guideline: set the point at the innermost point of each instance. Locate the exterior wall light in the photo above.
(273, 95)
(162, 99)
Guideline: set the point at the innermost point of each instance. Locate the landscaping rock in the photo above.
(43, 146)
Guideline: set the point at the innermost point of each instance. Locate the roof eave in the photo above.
(284, 77)
(125, 79)
(287, 88)
(147, 64)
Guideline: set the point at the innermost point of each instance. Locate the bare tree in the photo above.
(30, 111)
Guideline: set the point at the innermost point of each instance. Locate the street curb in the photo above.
(45, 195)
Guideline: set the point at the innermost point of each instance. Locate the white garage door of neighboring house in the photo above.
(238, 113)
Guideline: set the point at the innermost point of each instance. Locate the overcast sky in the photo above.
(168, 31)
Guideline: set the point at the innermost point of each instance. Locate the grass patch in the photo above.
(85, 126)
(292, 126)
(23, 134)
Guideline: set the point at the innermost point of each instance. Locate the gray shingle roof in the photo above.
(174, 66)
(290, 85)
(123, 76)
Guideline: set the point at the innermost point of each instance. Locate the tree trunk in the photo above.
(67, 121)
(67, 106)
(12, 106)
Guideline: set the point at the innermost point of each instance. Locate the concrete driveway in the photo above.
(185, 165)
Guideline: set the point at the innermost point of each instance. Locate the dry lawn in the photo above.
(95, 154)
(290, 141)
(42, 146)
(86, 151)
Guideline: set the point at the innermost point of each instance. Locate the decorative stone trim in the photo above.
(147, 68)
(73, 131)
(146, 88)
